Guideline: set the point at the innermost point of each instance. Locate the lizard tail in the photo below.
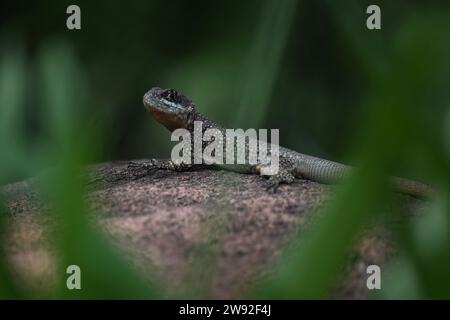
(414, 188)
(326, 171)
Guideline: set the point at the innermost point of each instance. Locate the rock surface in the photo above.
(215, 225)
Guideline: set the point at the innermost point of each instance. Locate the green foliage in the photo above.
(395, 132)
(64, 101)
(387, 89)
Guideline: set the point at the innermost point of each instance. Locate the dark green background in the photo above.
(206, 49)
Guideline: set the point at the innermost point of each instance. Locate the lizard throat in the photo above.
(171, 121)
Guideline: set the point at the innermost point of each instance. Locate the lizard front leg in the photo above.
(285, 175)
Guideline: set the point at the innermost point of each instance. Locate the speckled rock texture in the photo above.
(221, 227)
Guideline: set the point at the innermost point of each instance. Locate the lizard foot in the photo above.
(284, 176)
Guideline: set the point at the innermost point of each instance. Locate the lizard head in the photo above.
(169, 107)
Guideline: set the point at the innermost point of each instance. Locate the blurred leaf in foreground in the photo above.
(390, 138)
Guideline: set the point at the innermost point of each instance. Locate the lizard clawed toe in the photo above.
(282, 177)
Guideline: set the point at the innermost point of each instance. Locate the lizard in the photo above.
(175, 111)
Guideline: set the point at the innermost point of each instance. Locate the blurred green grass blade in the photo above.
(401, 281)
(446, 133)
(104, 273)
(12, 93)
(392, 127)
(63, 92)
(310, 273)
(423, 270)
(431, 240)
(263, 61)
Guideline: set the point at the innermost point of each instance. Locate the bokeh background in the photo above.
(335, 89)
(302, 67)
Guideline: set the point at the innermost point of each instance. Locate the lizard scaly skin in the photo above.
(174, 111)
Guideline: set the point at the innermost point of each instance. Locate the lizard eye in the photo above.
(170, 95)
(177, 98)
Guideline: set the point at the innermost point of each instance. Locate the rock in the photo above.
(211, 233)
